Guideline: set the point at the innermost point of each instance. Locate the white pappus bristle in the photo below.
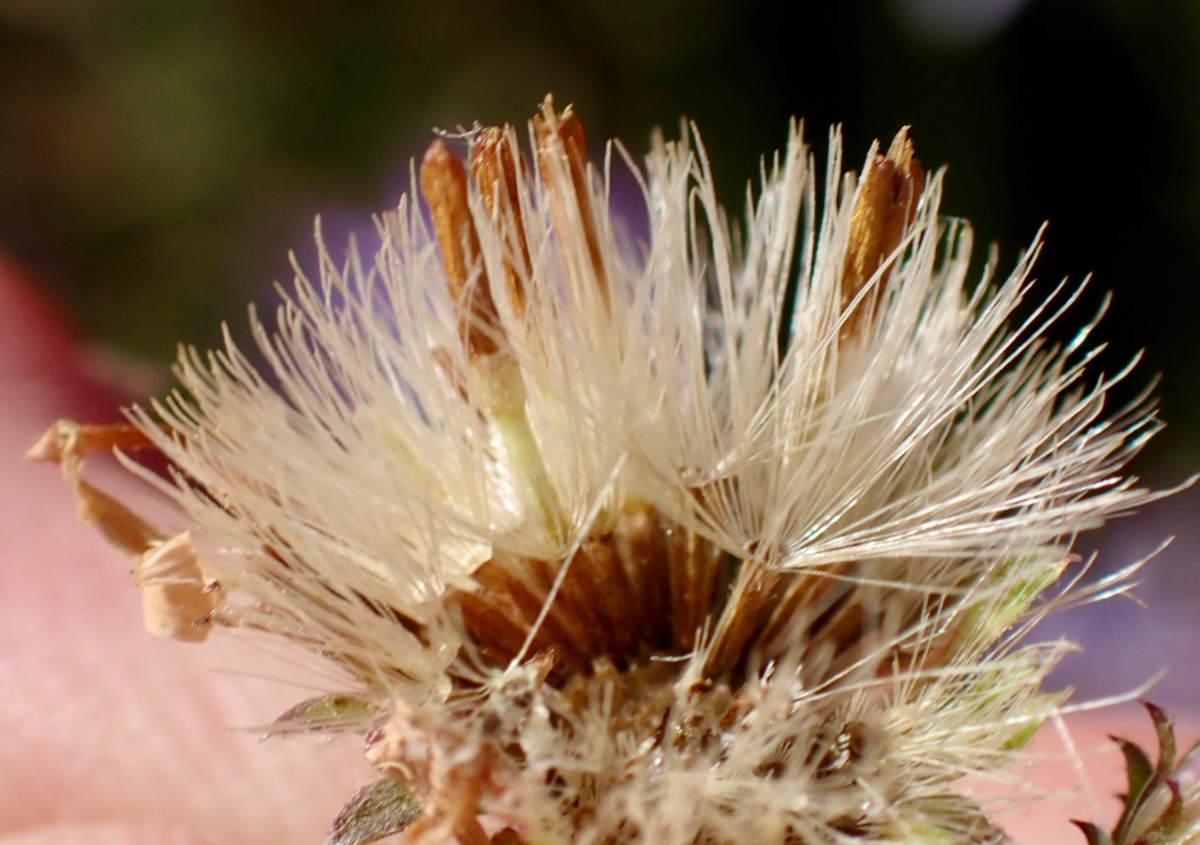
(726, 537)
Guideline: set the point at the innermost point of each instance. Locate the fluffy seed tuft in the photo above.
(732, 537)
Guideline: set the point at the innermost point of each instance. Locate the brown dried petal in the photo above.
(120, 526)
(176, 602)
(68, 440)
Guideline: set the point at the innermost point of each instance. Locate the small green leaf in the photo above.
(1021, 738)
(1148, 814)
(1156, 810)
(1173, 818)
(1166, 739)
(381, 809)
(1187, 758)
(1095, 835)
(1138, 768)
(340, 711)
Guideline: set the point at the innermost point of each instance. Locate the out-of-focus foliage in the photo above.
(157, 159)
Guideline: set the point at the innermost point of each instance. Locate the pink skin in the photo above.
(113, 737)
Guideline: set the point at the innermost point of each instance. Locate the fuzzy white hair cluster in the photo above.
(690, 539)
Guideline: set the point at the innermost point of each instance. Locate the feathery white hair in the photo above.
(695, 540)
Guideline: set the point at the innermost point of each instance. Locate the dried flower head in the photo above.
(727, 537)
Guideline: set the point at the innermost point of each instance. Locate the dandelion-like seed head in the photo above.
(729, 535)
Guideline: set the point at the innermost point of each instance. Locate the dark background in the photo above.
(159, 157)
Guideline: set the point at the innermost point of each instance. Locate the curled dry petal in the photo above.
(177, 599)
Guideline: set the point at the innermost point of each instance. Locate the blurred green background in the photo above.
(159, 157)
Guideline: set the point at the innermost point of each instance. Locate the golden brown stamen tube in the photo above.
(70, 440)
(561, 143)
(887, 203)
(494, 168)
(444, 183)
